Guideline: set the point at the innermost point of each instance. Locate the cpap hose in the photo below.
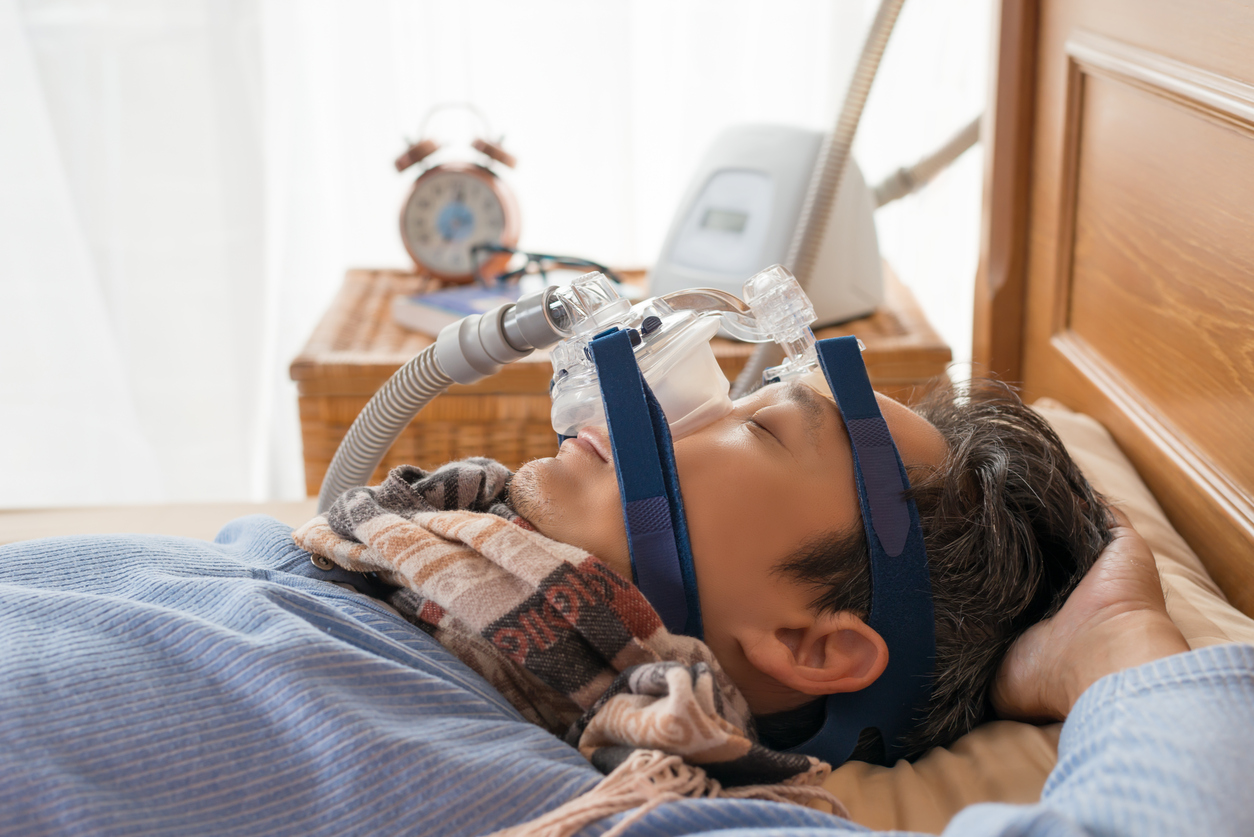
(820, 198)
(911, 179)
(466, 351)
(388, 412)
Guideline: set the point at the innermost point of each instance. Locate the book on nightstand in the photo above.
(432, 311)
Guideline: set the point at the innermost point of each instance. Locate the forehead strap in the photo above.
(901, 589)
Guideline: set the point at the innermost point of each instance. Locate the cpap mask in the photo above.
(670, 338)
(648, 375)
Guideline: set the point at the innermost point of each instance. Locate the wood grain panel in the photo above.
(1154, 300)
(1162, 282)
(1140, 264)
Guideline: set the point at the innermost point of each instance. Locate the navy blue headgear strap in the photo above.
(901, 590)
(653, 509)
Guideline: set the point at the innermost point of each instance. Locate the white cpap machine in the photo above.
(742, 209)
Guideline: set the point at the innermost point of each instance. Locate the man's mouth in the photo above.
(596, 439)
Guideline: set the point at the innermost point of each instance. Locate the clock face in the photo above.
(451, 209)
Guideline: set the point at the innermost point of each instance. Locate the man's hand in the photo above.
(1115, 619)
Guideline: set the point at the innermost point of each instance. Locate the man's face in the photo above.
(758, 484)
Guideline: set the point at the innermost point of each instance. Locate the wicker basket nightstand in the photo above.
(357, 347)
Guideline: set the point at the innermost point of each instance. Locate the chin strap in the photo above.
(901, 589)
(653, 508)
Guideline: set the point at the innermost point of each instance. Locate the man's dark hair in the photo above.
(1010, 525)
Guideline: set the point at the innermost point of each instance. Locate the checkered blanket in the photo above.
(569, 642)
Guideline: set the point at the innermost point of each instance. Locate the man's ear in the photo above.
(836, 652)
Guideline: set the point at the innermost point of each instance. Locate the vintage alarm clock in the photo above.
(455, 205)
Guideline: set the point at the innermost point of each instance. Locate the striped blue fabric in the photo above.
(159, 686)
(166, 686)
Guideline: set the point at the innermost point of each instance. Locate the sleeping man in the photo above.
(545, 609)
(156, 685)
(1010, 525)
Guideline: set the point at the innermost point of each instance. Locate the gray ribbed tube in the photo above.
(829, 168)
(911, 179)
(388, 412)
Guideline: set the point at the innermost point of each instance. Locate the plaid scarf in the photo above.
(571, 644)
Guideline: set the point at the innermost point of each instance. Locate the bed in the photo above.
(1114, 284)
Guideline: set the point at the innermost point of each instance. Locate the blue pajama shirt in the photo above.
(153, 685)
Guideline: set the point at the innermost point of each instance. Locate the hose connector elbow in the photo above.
(477, 346)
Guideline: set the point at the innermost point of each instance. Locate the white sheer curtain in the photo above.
(186, 181)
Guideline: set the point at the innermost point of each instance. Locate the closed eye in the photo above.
(761, 429)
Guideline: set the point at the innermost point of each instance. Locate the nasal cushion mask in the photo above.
(607, 374)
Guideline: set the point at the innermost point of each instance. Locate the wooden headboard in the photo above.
(1117, 263)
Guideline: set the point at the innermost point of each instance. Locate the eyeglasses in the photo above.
(489, 256)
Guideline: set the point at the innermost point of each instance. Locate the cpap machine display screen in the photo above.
(725, 228)
(727, 220)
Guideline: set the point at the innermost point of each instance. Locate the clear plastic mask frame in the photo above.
(671, 337)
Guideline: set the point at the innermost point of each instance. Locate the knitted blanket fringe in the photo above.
(647, 780)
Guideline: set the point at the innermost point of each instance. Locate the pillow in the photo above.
(1007, 761)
